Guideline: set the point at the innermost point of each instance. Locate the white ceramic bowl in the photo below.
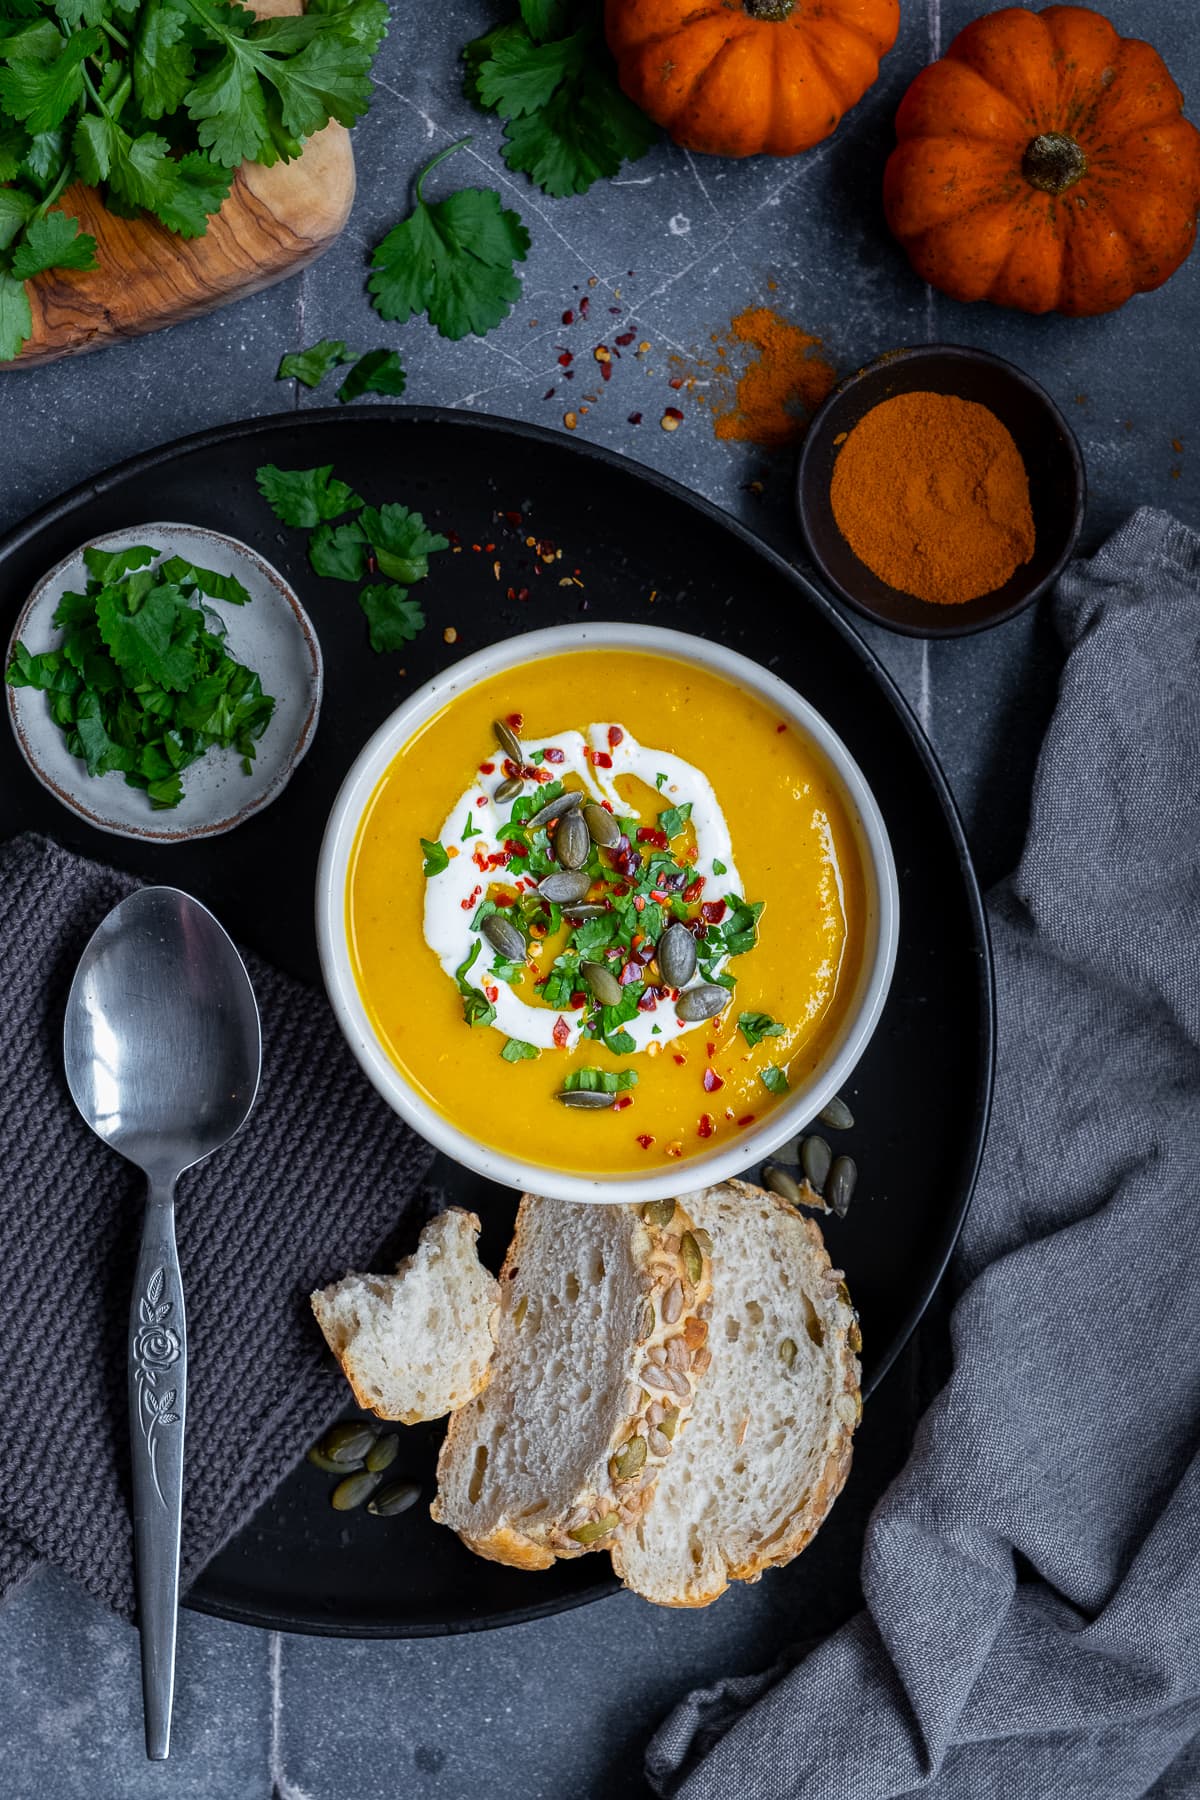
(273, 635)
(782, 1122)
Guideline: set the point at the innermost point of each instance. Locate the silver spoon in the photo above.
(163, 1052)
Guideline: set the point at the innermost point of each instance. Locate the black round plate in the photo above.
(634, 546)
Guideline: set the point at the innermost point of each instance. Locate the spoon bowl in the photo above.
(162, 1049)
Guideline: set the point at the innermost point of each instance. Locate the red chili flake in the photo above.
(615, 736)
(621, 1102)
(562, 1032)
(645, 1140)
(639, 903)
(781, 728)
(514, 847)
(650, 834)
(471, 898)
(549, 393)
(676, 383)
(514, 519)
(578, 999)
(713, 1082)
(584, 306)
(554, 755)
(711, 1048)
(694, 891)
(607, 805)
(568, 317)
(516, 720)
(659, 895)
(523, 593)
(680, 1059)
(615, 309)
(672, 412)
(621, 889)
(634, 418)
(712, 912)
(482, 800)
(491, 993)
(629, 973)
(648, 1001)
(566, 359)
(487, 768)
(489, 548)
(705, 1128)
(599, 759)
(625, 337)
(746, 1119)
(674, 1149)
(505, 899)
(606, 372)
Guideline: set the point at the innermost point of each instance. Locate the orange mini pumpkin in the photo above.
(739, 77)
(1044, 164)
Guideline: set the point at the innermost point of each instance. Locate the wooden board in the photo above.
(274, 222)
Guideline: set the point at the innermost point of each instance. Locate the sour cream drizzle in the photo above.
(452, 896)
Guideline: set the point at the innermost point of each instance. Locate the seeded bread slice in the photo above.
(767, 1448)
(600, 1345)
(416, 1344)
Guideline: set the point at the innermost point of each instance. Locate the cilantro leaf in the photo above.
(673, 820)
(546, 18)
(152, 640)
(16, 318)
(53, 242)
(436, 858)
(400, 541)
(774, 1079)
(305, 496)
(339, 552)
(470, 829)
(311, 366)
(163, 60)
(394, 619)
(477, 1009)
(599, 1081)
(378, 372)
(188, 198)
(41, 93)
(15, 208)
(719, 867)
(754, 1027)
(517, 1050)
(452, 259)
(216, 587)
(110, 565)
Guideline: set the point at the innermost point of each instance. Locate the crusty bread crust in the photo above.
(676, 1292)
(814, 1503)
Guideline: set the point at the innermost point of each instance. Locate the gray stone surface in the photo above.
(558, 1710)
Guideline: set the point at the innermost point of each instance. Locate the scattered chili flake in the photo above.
(649, 1003)
(577, 1000)
(506, 899)
(672, 419)
(549, 394)
(630, 972)
(602, 353)
(694, 890)
(712, 912)
(496, 568)
(562, 1032)
(639, 902)
(482, 800)
(705, 1128)
(680, 1059)
(675, 382)
(514, 519)
(659, 894)
(516, 720)
(650, 834)
(566, 359)
(781, 728)
(568, 317)
(615, 734)
(570, 421)
(621, 1102)
(487, 768)
(554, 754)
(713, 1083)
(492, 993)
(584, 305)
(625, 338)
(711, 1048)
(675, 1149)
(645, 1140)
(599, 759)
(468, 904)
(746, 1119)
(606, 372)
(450, 635)
(634, 418)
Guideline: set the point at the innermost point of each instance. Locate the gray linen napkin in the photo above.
(1032, 1579)
(314, 1183)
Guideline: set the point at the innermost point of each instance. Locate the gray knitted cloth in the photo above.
(1032, 1579)
(314, 1183)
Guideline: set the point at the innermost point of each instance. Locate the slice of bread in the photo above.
(768, 1445)
(417, 1344)
(600, 1345)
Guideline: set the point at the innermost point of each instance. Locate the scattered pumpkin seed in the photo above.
(509, 789)
(602, 827)
(509, 742)
(658, 1213)
(603, 983)
(704, 1240)
(629, 1459)
(704, 1001)
(783, 1184)
(693, 1260)
(837, 1115)
(572, 845)
(348, 1441)
(843, 1177)
(596, 1528)
(670, 1422)
(787, 1352)
(383, 1452)
(590, 910)
(815, 1159)
(554, 809)
(522, 1307)
(319, 1460)
(503, 936)
(585, 1099)
(564, 886)
(397, 1497)
(354, 1490)
(646, 1321)
(677, 955)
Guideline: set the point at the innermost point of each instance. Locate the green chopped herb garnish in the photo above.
(436, 858)
(517, 1050)
(719, 867)
(754, 1027)
(774, 1079)
(477, 1008)
(673, 820)
(311, 366)
(470, 830)
(660, 781)
(600, 1081)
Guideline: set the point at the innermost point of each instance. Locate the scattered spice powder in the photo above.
(930, 492)
(768, 396)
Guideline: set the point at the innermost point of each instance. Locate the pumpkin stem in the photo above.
(1053, 162)
(773, 11)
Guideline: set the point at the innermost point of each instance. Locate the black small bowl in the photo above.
(1057, 484)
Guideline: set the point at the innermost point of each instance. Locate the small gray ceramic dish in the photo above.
(272, 635)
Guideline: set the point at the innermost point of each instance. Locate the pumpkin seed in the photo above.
(783, 1184)
(348, 1441)
(658, 1213)
(509, 742)
(509, 788)
(522, 1307)
(604, 985)
(602, 827)
(629, 1459)
(585, 1099)
(670, 1422)
(572, 845)
(586, 911)
(597, 1528)
(704, 1240)
(693, 1261)
(815, 1159)
(397, 1497)
(319, 1460)
(837, 1115)
(354, 1490)
(554, 809)
(383, 1452)
(787, 1352)
(677, 955)
(646, 1321)
(704, 1001)
(503, 936)
(854, 1337)
(842, 1179)
(567, 885)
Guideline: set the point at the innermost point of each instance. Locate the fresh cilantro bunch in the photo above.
(142, 682)
(156, 103)
(549, 76)
(392, 541)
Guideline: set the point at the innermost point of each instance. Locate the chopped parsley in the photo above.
(660, 782)
(517, 1050)
(477, 1008)
(436, 858)
(719, 867)
(673, 820)
(754, 1027)
(774, 1079)
(311, 366)
(470, 829)
(600, 1081)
